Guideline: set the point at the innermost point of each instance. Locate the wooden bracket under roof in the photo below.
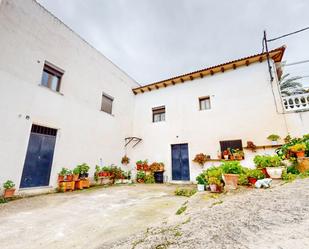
(276, 55)
(135, 140)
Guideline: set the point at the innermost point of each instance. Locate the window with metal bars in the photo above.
(158, 114)
(231, 144)
(43, 130)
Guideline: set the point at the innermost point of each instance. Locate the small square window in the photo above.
(51, 77)
(107, 103)
(204, 103)
(158, 114)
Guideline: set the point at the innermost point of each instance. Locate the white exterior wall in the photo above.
(29, 35)
(242, 107)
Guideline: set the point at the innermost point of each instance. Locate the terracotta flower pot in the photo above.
(9, 192)
(69, 178)
(252, 180)
(60, 178)
(231, 181)
(214, 188)
(300, 154)
(75, 177)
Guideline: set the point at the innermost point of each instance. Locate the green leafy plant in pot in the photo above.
(76, 172)
(231, 171)
(214, 179)
(69, 175)
(84, 169)
(272, 164)
(273, 138)
(9, 189)
(254, 175)
(201, 182)
(62, 174)
(140, 176)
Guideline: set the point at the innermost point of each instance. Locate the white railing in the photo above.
(299, 102)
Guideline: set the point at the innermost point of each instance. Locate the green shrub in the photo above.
(232, 167)
(149, 179)
(201, 178)
(8, 184)
(289, 177)
(293, 170)
(63, 172)
(263, 161)
(140, 174)
(243, 180)
(255, 173)
(185, 192)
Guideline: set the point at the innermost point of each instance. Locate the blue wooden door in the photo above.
(39, 158)
(180, 162)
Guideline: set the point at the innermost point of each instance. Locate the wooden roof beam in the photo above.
(191, 77)
(157, 87)
(142, 90)
(222, 69)
(164, 84)
(182, 80)
(247, 62)
(149, 89)
(173, 82)
(211, 72)
(201, 75)
(234, 66)
(261, 59)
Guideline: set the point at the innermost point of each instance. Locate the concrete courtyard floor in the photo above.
(85, 219)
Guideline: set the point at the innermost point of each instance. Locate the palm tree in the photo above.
(290, 85)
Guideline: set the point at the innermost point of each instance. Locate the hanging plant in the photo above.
(125, 160)
(200, 158)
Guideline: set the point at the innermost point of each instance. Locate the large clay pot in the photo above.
(69, 178)
(274, 172)
(303, 164)
(231, 181)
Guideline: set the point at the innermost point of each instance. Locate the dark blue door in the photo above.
(39, 157)
(180, 162)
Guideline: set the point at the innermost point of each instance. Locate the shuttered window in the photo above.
(107, 103)
(158, 114)
(204, 103)
(51, 77)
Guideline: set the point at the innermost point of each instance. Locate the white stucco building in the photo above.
(61, 97)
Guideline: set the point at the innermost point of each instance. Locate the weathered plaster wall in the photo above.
(29, 35)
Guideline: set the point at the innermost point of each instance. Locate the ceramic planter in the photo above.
(274, 172)
(300, 154)
(252, 180)
(200, 187)
(60, 178)
(214, 188)
(69, 178)
(75, 177)
(231, 181)
(9, 192)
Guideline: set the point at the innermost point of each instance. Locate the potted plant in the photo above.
(139, 164)
(273, 165)
(62, 174)
(238, 154)
(260, 164)
(201, 182)
(226, 154)
(251, 146)
(69, 175)
(200, 159)
(231, 171)
(254, 175)
(9, 189)
(287, 139)
(215, 185)
(76, 173)
(140, 177)
(105, 171)
(145, 166)
(299, 149)
(273, 138)
(213, 176)
(84, 169)
(125, 160)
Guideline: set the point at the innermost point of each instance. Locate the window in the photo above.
(204, 103)
(51, 77)
(232, 144)
(107, 103)
(158, 114)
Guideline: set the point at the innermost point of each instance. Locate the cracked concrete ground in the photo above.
(85, 219)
